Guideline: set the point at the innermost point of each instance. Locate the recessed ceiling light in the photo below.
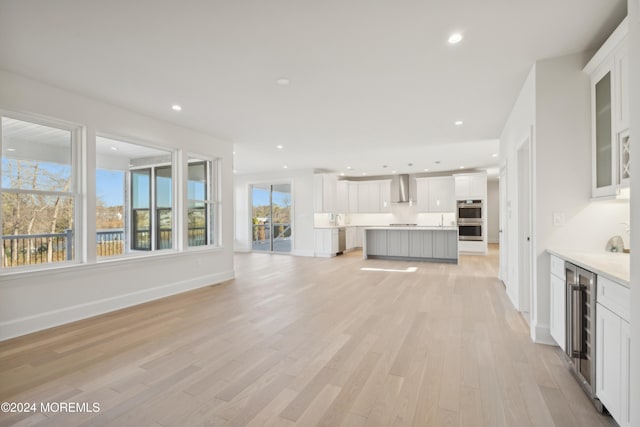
(114, 148)
(283, 81)
(458, 123)
(455, 38)
(341, 173)
(11, 149)
(349, 168)
(176, 107)
(494, 155)
(233, 152)
(234, 171)
(285, 166)
(461, 167)
(279, 147)
(364, 173)
(426, 170)
(393, 171)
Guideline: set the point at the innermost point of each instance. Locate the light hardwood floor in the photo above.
(305, 341)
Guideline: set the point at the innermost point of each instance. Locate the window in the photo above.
(134, 206)
(39, 193)
(201, 202)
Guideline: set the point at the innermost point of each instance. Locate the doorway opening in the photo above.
(271, 227)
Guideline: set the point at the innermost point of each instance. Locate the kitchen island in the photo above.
(411, 243)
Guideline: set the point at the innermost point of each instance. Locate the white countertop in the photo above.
(613, 265)
(412, 227)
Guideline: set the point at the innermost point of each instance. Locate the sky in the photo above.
(260, 197)
(110, 187)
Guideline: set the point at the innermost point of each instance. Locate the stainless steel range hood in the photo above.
(401, 188)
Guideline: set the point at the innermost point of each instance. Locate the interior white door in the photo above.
(524, 228)
(503, 254)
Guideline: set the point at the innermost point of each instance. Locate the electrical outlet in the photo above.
(558, 219)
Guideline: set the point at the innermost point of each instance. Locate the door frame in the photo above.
(270, 183)
(524, 192)
(503, 253)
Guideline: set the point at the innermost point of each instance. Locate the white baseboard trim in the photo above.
(541, 334)
(29, 324)
(304, 252)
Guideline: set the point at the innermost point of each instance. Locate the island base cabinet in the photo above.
(421, 244)
(412, 245)
(445, 245)
(398, 243)
(377, 242)
(609, 359)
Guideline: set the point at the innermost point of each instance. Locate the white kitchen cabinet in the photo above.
(350, 238)
(324, 195)
(609, 72)
(435, 194)
(471, 186)
(625, 375)
(613, 346)
(359, 239)
(608, 357)
(372, 196)
(342, 197)
(441, 194)
(352, 190)
(385, 195)
(326, 242)
(557, 320)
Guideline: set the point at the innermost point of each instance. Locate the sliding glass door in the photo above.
(271, 217)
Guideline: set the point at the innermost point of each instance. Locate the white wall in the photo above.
(39, 300)
(302, 206)
(562, 166)
(493, 211)
(634, 73)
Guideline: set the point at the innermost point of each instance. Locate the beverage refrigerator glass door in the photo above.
(580, 327)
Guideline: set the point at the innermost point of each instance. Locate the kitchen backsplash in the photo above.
(401, 214)
(591, 227)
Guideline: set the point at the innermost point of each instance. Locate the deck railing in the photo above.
(30, 249)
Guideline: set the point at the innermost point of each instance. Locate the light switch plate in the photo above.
(558, 219)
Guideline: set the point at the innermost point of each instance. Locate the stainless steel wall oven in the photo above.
(470, 220)
(470, 209)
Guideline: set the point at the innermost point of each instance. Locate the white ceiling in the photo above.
(372, 82)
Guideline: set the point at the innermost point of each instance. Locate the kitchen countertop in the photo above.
(412, 227)
(613, 265)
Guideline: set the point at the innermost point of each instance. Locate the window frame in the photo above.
(76, 191)
(213, 201)
(131, 252)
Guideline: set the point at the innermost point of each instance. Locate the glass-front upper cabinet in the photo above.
(611, 140)
(603, 149)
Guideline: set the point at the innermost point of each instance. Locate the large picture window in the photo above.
(39, 193)
(134, 203)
